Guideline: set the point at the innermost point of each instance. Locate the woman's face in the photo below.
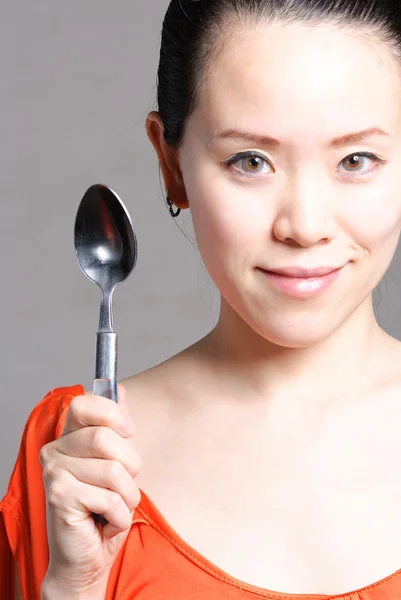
(304, 200)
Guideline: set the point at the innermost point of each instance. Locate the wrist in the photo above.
(53, 590)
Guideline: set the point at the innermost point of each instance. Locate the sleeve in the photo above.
(23, 534)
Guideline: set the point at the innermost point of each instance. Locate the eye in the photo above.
(251, 163)
(358, 160)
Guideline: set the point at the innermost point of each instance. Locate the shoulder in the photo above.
(150, 393)
(46, 420)
(23, 508)
(44, 424)
(171, 379)
(161, 398)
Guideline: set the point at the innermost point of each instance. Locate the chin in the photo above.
(293, 335)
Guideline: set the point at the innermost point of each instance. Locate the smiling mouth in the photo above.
(303, 273)
(305, 286)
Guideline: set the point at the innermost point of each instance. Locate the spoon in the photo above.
(106, 248)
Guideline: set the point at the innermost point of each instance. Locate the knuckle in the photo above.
(113, 470)
(56, 493)
(98, 437)
(49, 470)
(44, 454)
(76, 405)
(115, 500)
(137, 463)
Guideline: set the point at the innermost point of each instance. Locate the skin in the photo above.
(301, 208)
(291, 380)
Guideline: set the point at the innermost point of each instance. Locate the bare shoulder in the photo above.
(156, 397)
(167, 406)
(163, 380)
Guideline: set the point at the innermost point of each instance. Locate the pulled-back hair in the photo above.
(193, 32)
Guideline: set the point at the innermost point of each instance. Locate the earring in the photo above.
(170, 205)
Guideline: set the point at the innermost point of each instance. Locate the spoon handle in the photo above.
(106, 360)
(106, 388)
(105, 382)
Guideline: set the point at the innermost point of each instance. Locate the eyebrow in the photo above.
(269, 141)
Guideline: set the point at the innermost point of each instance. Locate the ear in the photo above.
(168, 158)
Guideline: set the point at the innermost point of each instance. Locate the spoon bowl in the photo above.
(105, 242)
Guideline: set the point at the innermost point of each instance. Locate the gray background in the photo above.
(77, 81)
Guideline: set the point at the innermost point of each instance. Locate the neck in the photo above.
(344, 362)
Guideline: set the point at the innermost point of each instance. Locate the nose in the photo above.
(304, 215)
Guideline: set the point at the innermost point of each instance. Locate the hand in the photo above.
(90, 469)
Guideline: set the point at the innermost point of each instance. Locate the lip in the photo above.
(303, 273)
(302, 287)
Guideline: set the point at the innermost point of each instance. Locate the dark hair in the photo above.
(192, 35)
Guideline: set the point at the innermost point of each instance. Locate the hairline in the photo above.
(376, 37)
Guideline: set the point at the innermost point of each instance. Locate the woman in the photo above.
(265, 456)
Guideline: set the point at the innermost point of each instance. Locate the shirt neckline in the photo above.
(149, 511)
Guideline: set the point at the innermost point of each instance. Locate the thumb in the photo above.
(122, 401)
(121, 394)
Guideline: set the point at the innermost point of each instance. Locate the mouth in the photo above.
(303, 282)
(302, 273)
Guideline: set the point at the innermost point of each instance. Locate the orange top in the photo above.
(154, 561)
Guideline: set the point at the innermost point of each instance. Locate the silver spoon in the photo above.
(106, 248)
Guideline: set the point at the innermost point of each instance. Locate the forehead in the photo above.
(314, 81)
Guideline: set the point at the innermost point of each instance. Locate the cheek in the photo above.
(226, 225)
(373, 219)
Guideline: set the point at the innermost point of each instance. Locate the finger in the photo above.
(107, 474)
(122, 400)
(76, 500)
(99, 442)
(90, 410)
(121, 394)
